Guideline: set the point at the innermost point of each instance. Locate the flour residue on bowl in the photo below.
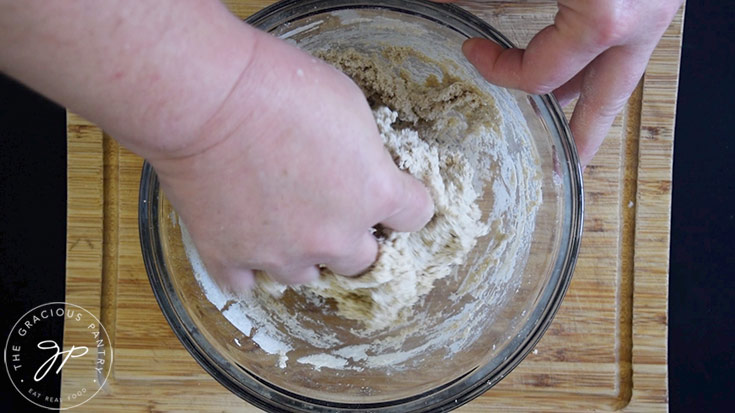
(433, 291)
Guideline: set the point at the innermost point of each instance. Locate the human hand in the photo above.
(271, 157)
(290, 174)
(596, 50)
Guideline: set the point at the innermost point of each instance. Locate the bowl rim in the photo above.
(446, 397)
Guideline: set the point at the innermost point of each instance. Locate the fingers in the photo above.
(238, 280)
(569, 91)
(413, 205)
(359, 259)
(550, 60)
(606, 85)
(413, 208)
(570, 66)
(301, 275)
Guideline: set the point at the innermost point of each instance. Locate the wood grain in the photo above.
(605, 350)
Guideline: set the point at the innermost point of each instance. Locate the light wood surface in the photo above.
(605, 350)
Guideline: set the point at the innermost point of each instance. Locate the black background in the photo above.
(32, 215)
(701, 332)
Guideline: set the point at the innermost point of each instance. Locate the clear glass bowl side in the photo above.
(552, 257)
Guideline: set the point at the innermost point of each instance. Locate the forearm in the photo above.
(152, 73)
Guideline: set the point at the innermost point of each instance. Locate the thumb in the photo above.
(415, 206)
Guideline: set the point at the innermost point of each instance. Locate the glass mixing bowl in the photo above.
(482, 339)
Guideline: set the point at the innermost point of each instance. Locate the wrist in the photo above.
(149, 73)
(185, 87)
(259, 102)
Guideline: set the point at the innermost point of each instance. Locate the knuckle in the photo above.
(611, 25)
(291, 273)
(387, 194)
(271, 262)
(303, 275)
(357, 258)
(661, 17)
(608, 33)
(612, 109)
(367, 254)
(361, 265)
(325, 243)
(272, 257)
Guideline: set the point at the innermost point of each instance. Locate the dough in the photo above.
(408, 264)
(484, 174)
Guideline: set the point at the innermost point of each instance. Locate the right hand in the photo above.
(596, 50)
(290, 174)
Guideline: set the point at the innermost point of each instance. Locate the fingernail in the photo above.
(467, 47)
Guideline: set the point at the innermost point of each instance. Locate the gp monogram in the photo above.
(86, 355)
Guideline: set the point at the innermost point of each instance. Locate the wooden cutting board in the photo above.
(605, 350)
